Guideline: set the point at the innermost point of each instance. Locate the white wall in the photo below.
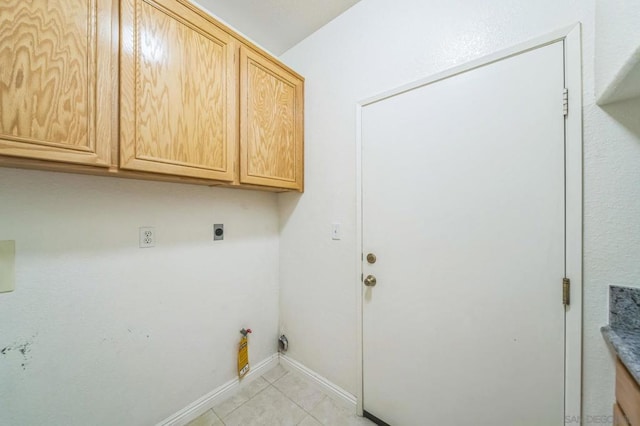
(617, 38)
(118, 335)
(378, 45)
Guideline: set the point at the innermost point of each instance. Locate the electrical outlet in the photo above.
(147, 237)
(218, 232)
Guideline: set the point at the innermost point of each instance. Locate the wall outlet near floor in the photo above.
(147, 237)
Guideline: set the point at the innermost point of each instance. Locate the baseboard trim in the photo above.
(334, 391)
(200, 406)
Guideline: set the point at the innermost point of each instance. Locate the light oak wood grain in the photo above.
(627, 394)
(178, 92)
(55, 80)
(238, 37)
(271, 123)
(618, 417)
(114, 171)
(176, 115)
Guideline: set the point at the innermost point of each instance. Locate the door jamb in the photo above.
(571, 38)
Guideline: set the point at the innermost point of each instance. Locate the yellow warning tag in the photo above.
(243, 357)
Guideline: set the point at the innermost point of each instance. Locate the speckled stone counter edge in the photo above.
(626, 344)
(623, 331)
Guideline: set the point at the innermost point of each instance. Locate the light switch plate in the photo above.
(7, 265)
(336, 231)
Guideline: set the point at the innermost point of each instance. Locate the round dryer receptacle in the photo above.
(283, 343)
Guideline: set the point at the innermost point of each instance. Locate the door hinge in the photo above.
(565, 102)
(566, 291)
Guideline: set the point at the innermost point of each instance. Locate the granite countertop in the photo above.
(623, 331)
(626, 344)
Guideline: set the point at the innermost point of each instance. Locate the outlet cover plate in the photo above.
(147, 237)
(218, 232)
(336, 231)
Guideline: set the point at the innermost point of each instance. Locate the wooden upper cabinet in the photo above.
(55, 80)
(178, 110)
(271, 123)
(197, 102)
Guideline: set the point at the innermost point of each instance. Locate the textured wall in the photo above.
(617, 38)
(101, 332)
(378, 45)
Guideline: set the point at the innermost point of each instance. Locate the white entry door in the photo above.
(463, 201)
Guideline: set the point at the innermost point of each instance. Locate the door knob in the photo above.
(370, 281)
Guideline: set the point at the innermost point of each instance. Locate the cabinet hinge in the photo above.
(565, 102)
(566, 291)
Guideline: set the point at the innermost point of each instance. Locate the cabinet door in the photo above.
(627, 393)
(55, 80)
(618, 417)
(271, 123)
(177, 92)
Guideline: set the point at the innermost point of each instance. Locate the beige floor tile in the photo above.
(327, 412)
(255, 387)
(207, 419)
(301, 391)
(269, 407)
(244, 394)
(309, 421)
(274, 374)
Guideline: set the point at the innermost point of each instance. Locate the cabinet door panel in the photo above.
(618, 417)
(55, 71)
(178, 92)
(627, 393)
(271, 124)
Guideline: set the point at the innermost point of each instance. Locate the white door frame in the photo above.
(571, 37)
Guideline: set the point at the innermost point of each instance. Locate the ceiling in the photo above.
(276, 25)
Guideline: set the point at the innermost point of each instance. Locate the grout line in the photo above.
(258, 393)
(298, 405)
(283, 394)
(324, 396)
(217, 416)
(314, 417)
(312, 384)
(280, 378)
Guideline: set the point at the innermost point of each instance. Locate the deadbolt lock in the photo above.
(371, 258)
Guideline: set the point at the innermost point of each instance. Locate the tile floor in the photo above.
(279, 398)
